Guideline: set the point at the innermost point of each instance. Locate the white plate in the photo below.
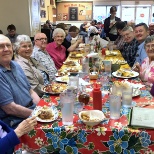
(92, 55)
(53, 109)
(52, 92)
(94, 114)
(60, 79)
(125, 77)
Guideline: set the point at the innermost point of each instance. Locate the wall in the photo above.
(49, 11)
(12, 12)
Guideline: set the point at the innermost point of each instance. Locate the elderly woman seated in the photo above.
(35, 72)
(55, 49)
(146, 69)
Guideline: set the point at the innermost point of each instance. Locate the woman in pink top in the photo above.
(147, 67)
(55, 49)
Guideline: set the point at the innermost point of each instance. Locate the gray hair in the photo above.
(149, 39)
(129, 28)
(58, 30)
(21, 39)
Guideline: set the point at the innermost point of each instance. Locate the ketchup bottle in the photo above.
(97, 98)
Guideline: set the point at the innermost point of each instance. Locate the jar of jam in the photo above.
(84, 98)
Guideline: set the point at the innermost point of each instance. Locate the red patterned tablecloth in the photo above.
(110, 136)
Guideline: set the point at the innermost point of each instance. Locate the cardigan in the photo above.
(107, 24)
(9, 141)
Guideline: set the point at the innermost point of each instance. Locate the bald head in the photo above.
(40, 41)
(3, 38)
(39, 35)
(6, 51)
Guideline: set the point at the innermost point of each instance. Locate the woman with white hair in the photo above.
(35, 72)
(55, 49)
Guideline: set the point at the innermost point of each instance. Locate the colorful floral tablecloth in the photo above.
(110, 136)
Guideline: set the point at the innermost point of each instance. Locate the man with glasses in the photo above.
(42, 56)
(130, 47)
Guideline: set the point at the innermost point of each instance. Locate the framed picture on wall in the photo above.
(43, 14)
(73, 13)
(42, 3)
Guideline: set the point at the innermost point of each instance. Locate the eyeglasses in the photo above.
(42, 39)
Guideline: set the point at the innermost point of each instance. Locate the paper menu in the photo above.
(142, 117)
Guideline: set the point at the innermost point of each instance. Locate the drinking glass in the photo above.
(73, 81)
(127, 96)
(114, 105)
(104, 80)
(111, 43)
(107, 65)
(67, 107)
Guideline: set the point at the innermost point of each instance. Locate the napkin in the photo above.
(134, 85)
(82, 82)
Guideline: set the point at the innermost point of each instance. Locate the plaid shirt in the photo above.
(119, 42)
(44, 58)
(129, 52)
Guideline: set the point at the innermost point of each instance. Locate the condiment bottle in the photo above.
(83, 97)
(97, 98)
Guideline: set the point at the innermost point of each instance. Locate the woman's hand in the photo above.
(25, 126)
(136, 67)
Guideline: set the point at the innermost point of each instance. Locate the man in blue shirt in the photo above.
(17, 99)
(141, 32)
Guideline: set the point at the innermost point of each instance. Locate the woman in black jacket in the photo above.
(109, 25)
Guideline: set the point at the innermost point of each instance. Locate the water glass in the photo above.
(86, 40)
(73, 81)
(104, 80)
(107, 65)
(67, 107)
(111, 43)
(114, 105)
(117, 90)
(127, 96)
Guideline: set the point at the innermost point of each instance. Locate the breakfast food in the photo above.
(76, 55)
(86, 117)
(124, 73)
(62, 72)
(55, 88)
(45, 113)
(65, 78)
(70, 63)
(73, 69)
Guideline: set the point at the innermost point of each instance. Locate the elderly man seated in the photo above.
(17, 99)
(55, 49)
(130, 47)
(42, 56)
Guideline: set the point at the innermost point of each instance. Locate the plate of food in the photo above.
(54, 88)
(125, 74)
(70, 63)
(91, 117)
(45, 113)
(62, 79)
(76, 55)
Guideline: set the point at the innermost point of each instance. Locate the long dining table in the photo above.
(110, 136)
